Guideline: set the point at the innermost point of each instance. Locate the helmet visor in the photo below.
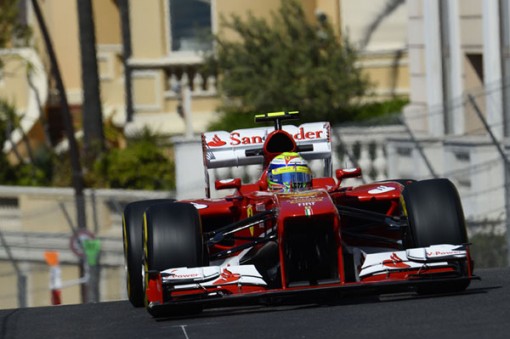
(292, 177)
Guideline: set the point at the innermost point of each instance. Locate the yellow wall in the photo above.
(226, 8)
(62, 22)
(150, 42)
(265, 8)
(107, 22)
(148, 32)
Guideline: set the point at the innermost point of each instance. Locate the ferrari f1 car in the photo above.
(262, 245)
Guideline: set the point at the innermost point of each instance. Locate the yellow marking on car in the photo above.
(249, 213)
(403, 203)
(291, 169)
(275, 114)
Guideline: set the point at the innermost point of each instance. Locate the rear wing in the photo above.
(243, 147)
(227, 149)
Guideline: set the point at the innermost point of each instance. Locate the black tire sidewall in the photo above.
(173, 237)
(132, 233)
(434, 213)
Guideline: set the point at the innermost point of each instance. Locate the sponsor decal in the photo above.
(306, 204)
(381, 189)
(216, 142)
(310, 135)
(443, 253)
(306, 201)
(227, 277)
(185, 276)
(395, 262)
(288, 158)
(302, 195)
(237, 139)
(260, 207)
(199, 206)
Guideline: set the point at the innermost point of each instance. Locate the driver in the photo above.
(288, 172)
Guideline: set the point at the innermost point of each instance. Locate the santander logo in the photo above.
(236, 139)
(216, 142)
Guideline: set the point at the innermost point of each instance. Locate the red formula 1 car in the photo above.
(261, 244)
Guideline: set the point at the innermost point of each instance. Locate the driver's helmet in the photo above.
(288, 172)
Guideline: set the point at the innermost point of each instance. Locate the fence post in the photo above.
(22, 279)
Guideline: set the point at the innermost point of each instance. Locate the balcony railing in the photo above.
(181, 76)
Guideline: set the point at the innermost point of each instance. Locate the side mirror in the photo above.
(224, 184)
(344, 173)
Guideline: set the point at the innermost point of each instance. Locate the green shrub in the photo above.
(141, 165)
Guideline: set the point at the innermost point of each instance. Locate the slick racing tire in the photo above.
(435, 217)
(132, 234)
(435, 214)
(173, 238)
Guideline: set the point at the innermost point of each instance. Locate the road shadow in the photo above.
(325, 301)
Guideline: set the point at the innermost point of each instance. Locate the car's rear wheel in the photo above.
(435, 216)
(173, 238)
(132, 234)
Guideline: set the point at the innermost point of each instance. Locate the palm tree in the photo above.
(92, 115)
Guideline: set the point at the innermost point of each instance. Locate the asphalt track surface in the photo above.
(482, 311)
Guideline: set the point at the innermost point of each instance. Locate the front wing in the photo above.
(177, 289)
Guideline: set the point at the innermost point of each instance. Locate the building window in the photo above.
(190, 25)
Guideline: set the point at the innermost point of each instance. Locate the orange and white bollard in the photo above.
(55, 277)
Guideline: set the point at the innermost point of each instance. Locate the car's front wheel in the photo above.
(435, 214)
(435, 217)
(173, 238)
(132, 234)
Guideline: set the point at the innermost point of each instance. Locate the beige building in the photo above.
(459, 68)
(165, 58)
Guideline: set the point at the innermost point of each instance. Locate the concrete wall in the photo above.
(32, 222)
